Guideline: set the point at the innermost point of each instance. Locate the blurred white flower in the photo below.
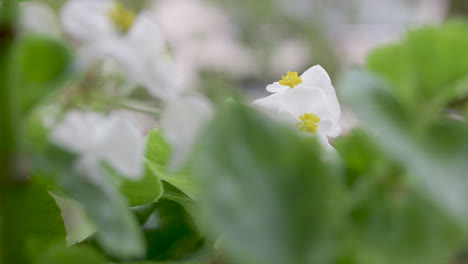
(309, 101)
(40, 19)
(105, 29)
(203, 38)
(182, 121)
(99, 138)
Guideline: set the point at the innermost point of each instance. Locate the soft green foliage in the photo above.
(391, 221)
(118, 233)
(142, 191)
(408, 193)
(171, 233)
(60, 254)
(435, 158)
(267, 187)
(427, 69)
(40, 219)
(157, 156)
(164, 262)
(40, 65)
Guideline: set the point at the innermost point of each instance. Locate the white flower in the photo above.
(105, 29)
(309, 101)
(182, 121)
(40, 19)
(98, 138)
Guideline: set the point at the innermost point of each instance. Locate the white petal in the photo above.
(316, 76)
(325, 143)
(271, 103)
(145, 36)
(89, 167)
(182, 121)
(40, 19)
(335, 131)
(123, 147)
(97, 137)
(276, 88)
(78, 131)
(88, 20)
(156, 71)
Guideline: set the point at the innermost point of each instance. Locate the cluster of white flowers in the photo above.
(106, 30)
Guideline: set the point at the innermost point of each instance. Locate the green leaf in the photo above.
(142, 191)
(118, 231)
(426, 68)
(61, 254)
(435, 158)
(157, 156)
(361, 157)
(394, 224)
(266, 191)
(163, 262)
(40, 65)
(171, 233)
(41, 220)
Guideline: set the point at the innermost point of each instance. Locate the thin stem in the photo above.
(11, 239)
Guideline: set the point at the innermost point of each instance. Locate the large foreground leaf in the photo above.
(436, 157)
(266, 191)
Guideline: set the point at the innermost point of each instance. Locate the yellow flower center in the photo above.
(309, 123)
(122, 17)
(291, 79)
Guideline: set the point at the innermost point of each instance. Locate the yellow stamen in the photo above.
(309, 124)
(122, 17)
(291, 79)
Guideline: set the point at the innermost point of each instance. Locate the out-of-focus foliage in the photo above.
(41, 221)
(157, 156)
(60, 254)
(403, 101)
(269, 188)
(392, 222)
(427, 70)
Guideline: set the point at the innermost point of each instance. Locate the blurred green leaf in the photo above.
(40, 65)
(426, 68)
(42, 223)
(176, 195)
(361, 157)
(61, 254)
(142, 191)
(393, 224)
(157, 156)
(164, 262)
(118, 232)
(436, 158)
(266, 191)
(171, 233)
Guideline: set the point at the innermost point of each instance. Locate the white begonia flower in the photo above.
(308, 100)
(182, 121)
(105, 29)
(99, 138)
(39, 18)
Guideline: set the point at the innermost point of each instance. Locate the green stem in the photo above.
(11, 239)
